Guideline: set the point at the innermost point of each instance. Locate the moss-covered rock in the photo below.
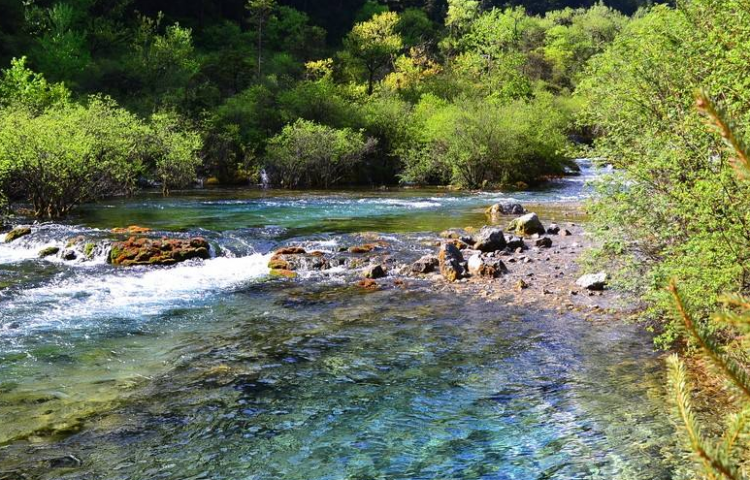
(528, 224)
(145, 251)
(131, 230)
(17, 233)
(48, 252)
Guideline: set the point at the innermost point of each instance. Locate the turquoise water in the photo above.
(213, 370)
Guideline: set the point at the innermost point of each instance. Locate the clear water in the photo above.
(211, 370)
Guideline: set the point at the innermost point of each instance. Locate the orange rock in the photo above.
(132, 230)
(280, 272)
(368, 284)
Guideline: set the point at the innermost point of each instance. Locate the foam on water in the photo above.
(132, 294)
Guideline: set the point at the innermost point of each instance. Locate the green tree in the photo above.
(260, 11)
(20, 86)
(373, 44)
(306, 154)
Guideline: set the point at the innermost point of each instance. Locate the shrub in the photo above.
(479, 143)
(68, 155)
(306, 154)
(674, 208)
(72, 154)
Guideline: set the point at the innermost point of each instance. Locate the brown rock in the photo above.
(144, 251)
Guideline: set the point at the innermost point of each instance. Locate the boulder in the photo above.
(544, 242)
(451, 262)
(490, 239)
(553, 229)
(374, 272)
(483, 266)
(48, 252)
(528, 224)
(17, 233)
(505, 209)
(593, 282)
(426, 264)
(565, 233)
(145, 251)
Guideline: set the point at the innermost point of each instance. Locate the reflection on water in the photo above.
(211, 370)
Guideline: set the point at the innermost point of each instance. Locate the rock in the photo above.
(426, 264)
(451, 262)
(48, 252)
(298, 261)
(522, 285)
(17, 233)
(565, 233)
(544, 242)
(366, 248)
(280, 272)
(490, 239)
(374, 271)
(593, 282)
(69, 255)
(505, 209)
(145, 251)
(212, 182)
(486, 266)
(290, 251)
(132, 230)
(553, 229)
(515, 243)
(368, 284)
(461, 235)
(529, 224)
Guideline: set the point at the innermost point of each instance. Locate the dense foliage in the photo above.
(455, 91)
(675, 208)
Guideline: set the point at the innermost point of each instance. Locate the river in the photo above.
(213, 370)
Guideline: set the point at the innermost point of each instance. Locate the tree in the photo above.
(306, 154)
(373, 44)
(21, 86)
(260, 11)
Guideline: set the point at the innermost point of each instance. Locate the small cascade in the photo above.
(265, 179)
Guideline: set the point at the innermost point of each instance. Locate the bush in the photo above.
(72, 154)
(306, 155)
(674, 209)
(68, 155)
(474, 144)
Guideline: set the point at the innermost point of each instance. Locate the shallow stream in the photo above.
(213, 370)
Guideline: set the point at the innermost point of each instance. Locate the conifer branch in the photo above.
(712, 463)
(711, 348)
(726, 129)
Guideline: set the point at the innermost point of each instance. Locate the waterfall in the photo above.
(265, 180)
